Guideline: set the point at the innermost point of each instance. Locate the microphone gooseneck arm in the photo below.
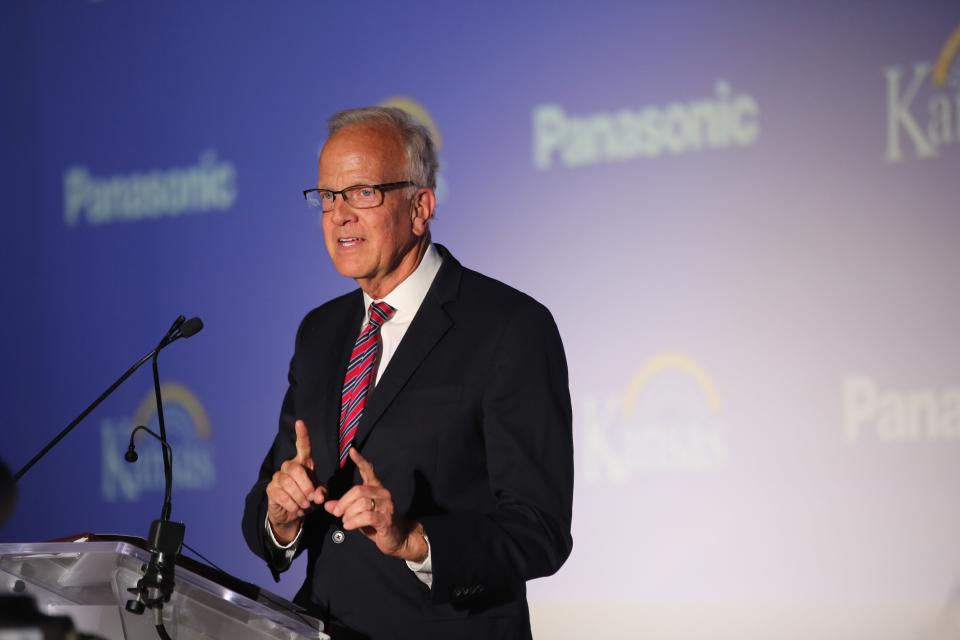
(60, 436)
(167, 455)
(165, 539)
(181, 328)
(164, 542)
(131, 456)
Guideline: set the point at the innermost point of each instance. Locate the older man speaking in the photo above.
(424, 457)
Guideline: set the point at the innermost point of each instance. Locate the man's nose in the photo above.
(342, 213)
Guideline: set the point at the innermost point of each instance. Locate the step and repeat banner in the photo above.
(745, 217)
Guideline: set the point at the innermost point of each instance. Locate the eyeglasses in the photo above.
(360, 196)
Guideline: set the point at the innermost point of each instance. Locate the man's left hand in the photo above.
(369, 508)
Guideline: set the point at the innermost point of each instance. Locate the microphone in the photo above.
(131, 454)
(165, 538)
(181, 328)
(191, 327)
(164, 542)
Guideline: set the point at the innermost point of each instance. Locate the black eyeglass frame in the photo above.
(382, 188)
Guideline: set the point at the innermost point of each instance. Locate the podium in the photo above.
(88, 582)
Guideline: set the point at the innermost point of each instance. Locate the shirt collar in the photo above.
(407, 296)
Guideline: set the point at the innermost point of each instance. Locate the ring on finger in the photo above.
(373, 504)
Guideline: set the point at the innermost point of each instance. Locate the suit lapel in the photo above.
(429, 325)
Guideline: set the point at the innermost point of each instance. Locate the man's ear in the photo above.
(421, 210)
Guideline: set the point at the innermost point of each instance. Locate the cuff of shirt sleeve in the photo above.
(292, 546)
(423, 570)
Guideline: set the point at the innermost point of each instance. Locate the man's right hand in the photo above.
(291, 492)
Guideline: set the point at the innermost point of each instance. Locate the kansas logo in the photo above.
(947, 55)
(933, 86)
(189, 434)
(669, 419)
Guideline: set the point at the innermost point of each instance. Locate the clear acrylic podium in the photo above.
(88, 582)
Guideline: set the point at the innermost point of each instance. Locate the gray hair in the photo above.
(421, 151)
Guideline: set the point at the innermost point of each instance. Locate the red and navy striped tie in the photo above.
(361, 371)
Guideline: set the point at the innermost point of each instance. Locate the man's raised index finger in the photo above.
(365, 468)
(303, 442)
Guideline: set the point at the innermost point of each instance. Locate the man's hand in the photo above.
(369, 508)
(291, 492)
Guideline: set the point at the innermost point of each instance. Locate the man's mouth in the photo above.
(349, 242)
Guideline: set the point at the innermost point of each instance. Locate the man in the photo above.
(424, 456)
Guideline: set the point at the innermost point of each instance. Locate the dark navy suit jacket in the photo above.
(469, 428)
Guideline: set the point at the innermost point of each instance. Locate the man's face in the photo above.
(376, 247)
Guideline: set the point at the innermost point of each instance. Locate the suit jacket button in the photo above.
(337, 536)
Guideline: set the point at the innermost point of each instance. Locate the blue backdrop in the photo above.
(759, 199)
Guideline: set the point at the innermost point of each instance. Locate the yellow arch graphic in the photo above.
(947, 54)
(665, 362)
(174, 392)
(418, 111)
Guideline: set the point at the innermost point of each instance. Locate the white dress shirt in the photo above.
(406, 299)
